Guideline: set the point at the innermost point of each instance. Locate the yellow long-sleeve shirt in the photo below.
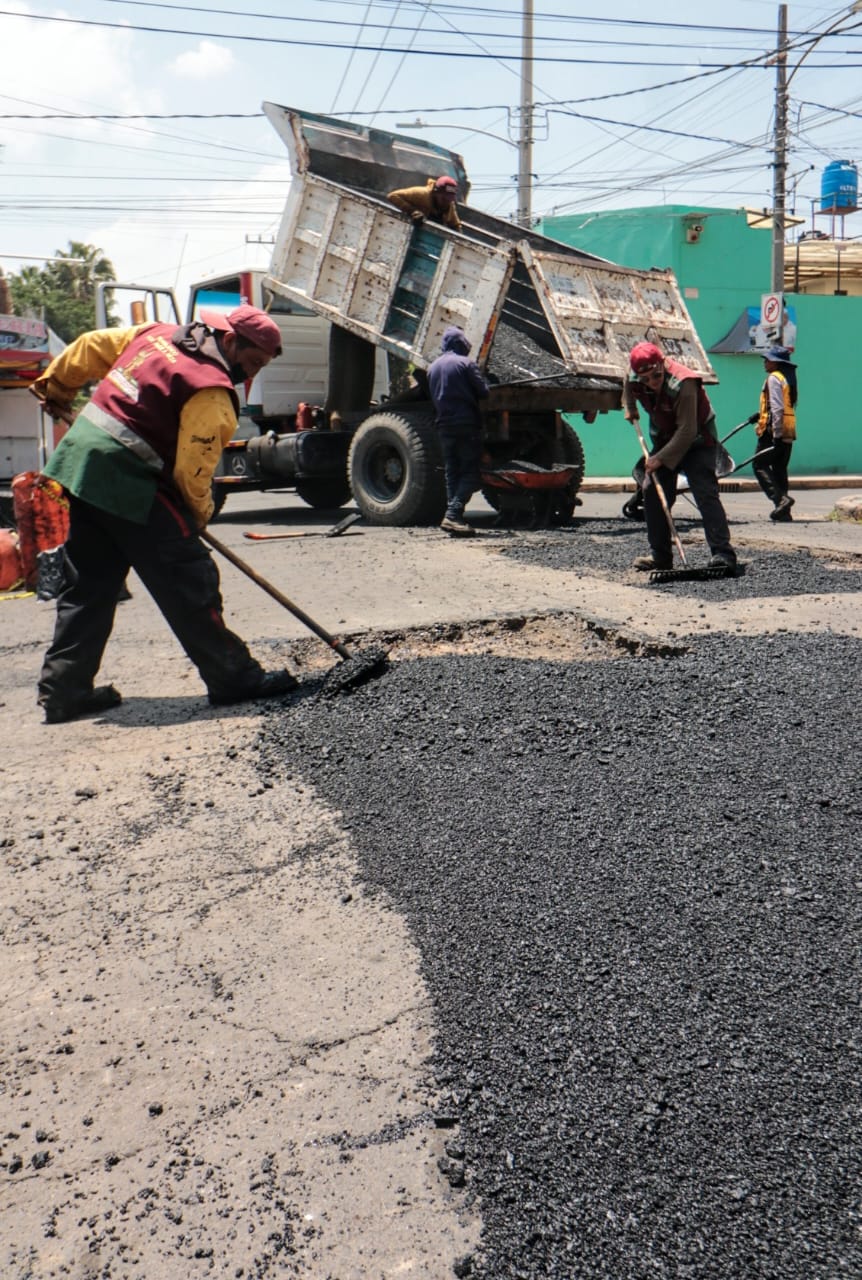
(207, 419)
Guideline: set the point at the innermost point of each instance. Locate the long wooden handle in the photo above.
(276, 537)
(661, 493)
(270, 590)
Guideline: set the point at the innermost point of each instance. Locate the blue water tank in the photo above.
(839, 187)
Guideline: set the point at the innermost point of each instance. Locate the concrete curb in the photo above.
(625, 484)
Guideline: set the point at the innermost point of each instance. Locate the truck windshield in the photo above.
(224, 295)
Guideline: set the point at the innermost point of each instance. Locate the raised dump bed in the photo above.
(348, 254)
(551, 326)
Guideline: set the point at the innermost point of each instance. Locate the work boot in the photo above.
(781, 511)
(101, 699)
(457, 525)
(723, 560)
(647, 564)
(272, 684)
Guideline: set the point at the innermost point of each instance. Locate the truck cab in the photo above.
(285, 437)
(297, 376)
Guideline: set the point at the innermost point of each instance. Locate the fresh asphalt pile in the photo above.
(631, 883)
(608, 547)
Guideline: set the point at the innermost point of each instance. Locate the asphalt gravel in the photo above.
(607, 548)
(633, 884)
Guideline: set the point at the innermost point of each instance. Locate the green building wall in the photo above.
(724, 271)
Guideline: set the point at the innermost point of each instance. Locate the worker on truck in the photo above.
(436, 200)
(138, 465)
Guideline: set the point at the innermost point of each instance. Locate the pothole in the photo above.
(554, 637)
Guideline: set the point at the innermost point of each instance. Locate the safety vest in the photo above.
(140, 399)
(661, 406)
(123, 443)
(764, 422)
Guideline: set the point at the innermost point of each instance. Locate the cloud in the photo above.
(45, 69)
(204, 62)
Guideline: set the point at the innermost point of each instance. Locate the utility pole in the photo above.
(780, 162)
(525, 140)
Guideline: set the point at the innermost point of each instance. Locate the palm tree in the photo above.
(63, 293)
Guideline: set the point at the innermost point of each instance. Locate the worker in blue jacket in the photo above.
(457, 387)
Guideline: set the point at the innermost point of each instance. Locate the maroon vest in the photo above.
(150, 382)
(661, 408)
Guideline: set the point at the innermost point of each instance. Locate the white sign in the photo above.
(771, 309)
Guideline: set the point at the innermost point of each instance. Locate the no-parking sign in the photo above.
(771, 311)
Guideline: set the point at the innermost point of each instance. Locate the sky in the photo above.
(629, 109)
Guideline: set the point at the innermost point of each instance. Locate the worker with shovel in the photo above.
(683, 437)
(137, 464)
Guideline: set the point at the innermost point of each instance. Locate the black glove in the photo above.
(755, 417)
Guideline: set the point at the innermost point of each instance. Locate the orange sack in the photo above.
(41, 511)
(11, 571)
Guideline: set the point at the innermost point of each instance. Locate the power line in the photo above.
(425, 8)
(423, 53)
(857, 115)
(344, 73)
(649, 128)
(461, 10)
(105, 115)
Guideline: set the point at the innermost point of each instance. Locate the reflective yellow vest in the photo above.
(764, 422)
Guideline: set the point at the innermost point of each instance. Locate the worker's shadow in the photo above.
(139, 713)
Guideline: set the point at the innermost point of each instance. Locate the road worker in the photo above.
(137, 464)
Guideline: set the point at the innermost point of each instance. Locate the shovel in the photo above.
(354, 669)
(335, 532)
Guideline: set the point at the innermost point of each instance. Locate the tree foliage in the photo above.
(64, 293)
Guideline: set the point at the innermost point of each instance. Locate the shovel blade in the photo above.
(338, 529)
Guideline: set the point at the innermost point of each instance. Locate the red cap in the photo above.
(248, 322)
(644, 356)
(445, 182)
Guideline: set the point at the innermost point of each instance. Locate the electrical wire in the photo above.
(344, 74)
(461, 10)
(377, 54)
(328, 44)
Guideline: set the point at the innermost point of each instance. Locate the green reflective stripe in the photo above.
(123, 434)
(99, 470)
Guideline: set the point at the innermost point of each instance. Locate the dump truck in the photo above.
(363, 293)
(550, 326)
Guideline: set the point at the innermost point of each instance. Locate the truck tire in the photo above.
(323, 494)
(570, 452)
(396, 469)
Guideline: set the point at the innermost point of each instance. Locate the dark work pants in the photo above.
(462, 451)
(771, 471)
(699, 467)
(179, 574)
